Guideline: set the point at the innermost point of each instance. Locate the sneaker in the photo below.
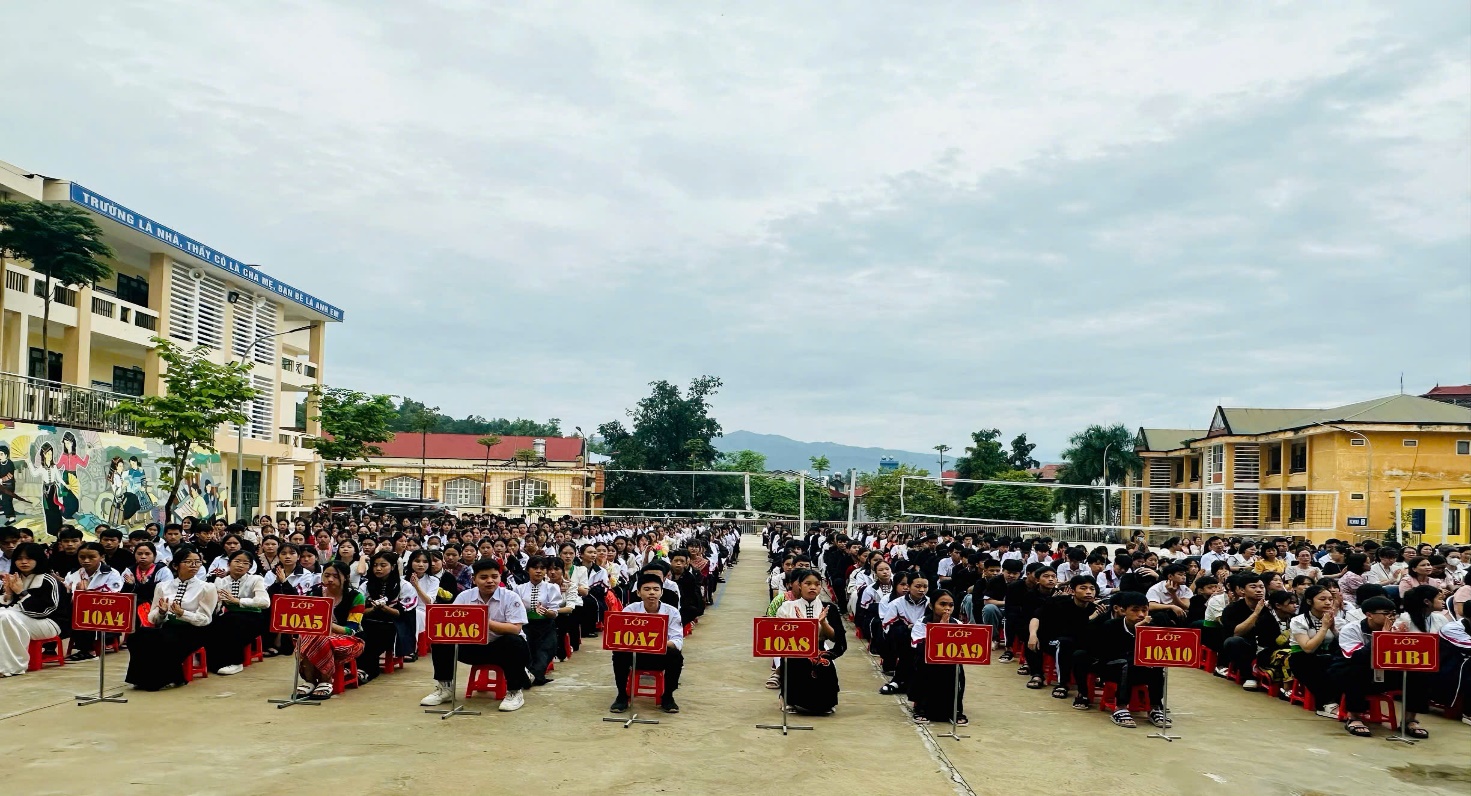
(514, 701)
(1222, 671)
(1328, 711)
(441, 695)
(619, 705)
(1249, 685)
(229, 670)
(668, 705)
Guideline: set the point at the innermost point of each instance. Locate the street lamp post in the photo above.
(1369, 482)
(240, 427)
(1105, 484)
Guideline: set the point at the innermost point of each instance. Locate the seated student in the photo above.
(569, 629)
(776, 580)
(1060, 626)
(1023, 598)
(243, 602)
(690, 586)
(933, 689)
(542, 600)
(671, 662)
(92, 574)
(1243, 639)
(382, 605)
(322, 657)
(1424, 610)
(1269, 633)
(1114, 652)
(32, 605)
(1169, 599)
(63, 555)
(903, 613)
(811, 684)
(1205, 588)
(418, 590)
(590, 581)
(179, 617)
(993, 604)
(144, 578)
(113, 553)
(1353, 673)
(506, 647)
(874, 595)
(1314, 643)
(1453, 682)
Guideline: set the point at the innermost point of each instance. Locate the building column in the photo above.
(76, 356)
(16, 356)
(1445, 516)
(159, 288)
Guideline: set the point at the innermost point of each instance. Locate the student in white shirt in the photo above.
(1169, 599)
(93, 575)
(179, 620)
(243, 602)
(671, 662)
(543, 599)
(506, 647)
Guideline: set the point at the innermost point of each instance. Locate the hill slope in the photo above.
(785, 453)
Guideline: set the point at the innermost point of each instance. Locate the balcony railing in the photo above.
(55, 404)
(59, 293)
(15, 280)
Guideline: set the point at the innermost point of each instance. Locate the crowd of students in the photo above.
(204, 592)
(1299, 630)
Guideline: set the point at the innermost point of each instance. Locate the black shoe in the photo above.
(668, 705)
(79, 656)
(619, 705)
(542, 681)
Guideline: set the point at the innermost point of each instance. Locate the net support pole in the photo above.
(1164, 699)
(747, 479)
(802, 503)
(852, 487)
(87, 699)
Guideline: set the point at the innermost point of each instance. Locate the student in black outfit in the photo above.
(691, 590)
(1023, 598)
(382, 605)
(1114, 652)
(1061, 627)
(113, 553)
(933, 689)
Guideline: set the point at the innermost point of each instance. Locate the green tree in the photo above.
(920, 497)
(62, 242)
(200, 396)
(671, 430)
(820, 465)
(983, 459)
(488, 441)
(353, 423)
(1083, 465)
(409, 409)
(1021, 454)
(1018, 503)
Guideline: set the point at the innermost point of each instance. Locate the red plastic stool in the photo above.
(423, 644)
(342, 681)
(1381, 709)
(689, 630)
(1298, 695)
(1138, 698)
(196, 665)
(391, 662)
(485, 677)
(1207, 659)
(1265, 678)
(1049, 669)
(552, 664)
(38, 656)
(567, 646)
(255, 651)
(636, 687)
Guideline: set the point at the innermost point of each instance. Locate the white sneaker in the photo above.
(1249, 685)
(229, 670)
(1328, 711)
(1222, 671)
(441, 695)
(513, 701)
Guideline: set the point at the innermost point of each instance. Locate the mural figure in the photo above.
(52, 503)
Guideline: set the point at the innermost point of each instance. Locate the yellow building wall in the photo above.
(1436, 503)
(563, 483)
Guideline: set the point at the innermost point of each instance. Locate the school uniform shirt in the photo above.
(249, 589)
(547, 593)
(41, 597)
(198, 598)
(800, 609)
(903, 609)
(301, 580)
(1353, 637)
(1160, 593)
(945, 567)
(1066, 571)
(676, 626)
(105, 579)
(1433, 623)
(875, 592)
(1387, 576)
(222, 564)
(1307, 625)
(505, 606)
(1214, 607)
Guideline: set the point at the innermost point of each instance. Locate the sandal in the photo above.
(919, 719)
(1081, 703)
(1160, 719)
(1008, 656)
(962, 721)
(1414, 730)
(1021, 669)
(271, 652)
(1123, 719)
(1358, 727)
(322, 692)
(305, 689)
(888, 688)
(1059, 692)
(1035, 683)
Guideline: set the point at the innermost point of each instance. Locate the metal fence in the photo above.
(52, 403)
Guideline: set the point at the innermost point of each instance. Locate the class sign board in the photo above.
(1166, 646)
(785, 638)
(102, 611)
(1406, 652)
(457, 624)
(630, 632)
(302, 616)
(967, 645)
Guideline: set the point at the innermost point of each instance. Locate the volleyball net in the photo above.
(1109, 513)
(704, 494)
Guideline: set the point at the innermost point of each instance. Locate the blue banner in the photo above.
(103, 206)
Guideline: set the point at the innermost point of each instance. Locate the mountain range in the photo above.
(785, 453)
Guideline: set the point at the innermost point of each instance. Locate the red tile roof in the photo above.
(1047, 472)
(1452, 389)
(407, 445)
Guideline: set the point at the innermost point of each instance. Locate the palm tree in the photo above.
(820, 465)
(489, 441)
(942, 448)
(1083, 465)
(424, 420)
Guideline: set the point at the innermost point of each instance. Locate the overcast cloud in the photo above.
(880, 224)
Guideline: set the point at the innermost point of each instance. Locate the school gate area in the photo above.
(219, 735)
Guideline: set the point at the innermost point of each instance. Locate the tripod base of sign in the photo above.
(955, 712)
(101, 696)
(784, 726)
(1403, 736)
(454, 710)
(295, 682)
(1164, 703)
(634, 719)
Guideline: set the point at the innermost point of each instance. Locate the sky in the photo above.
(879, 224)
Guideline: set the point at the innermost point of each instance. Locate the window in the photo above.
(132, 289)
(51, 373)
(1411, 443)
(1274, 460)
(1299, 463)
(1194, 506)
(1463, 447)
(1356, 496)
(533, 489)
(350, 486)
(1417, 520)
(1274, 508)
(1298, 506)
(1179, 507)
(128, 381)
(196, 307)
(1453, 522)
(462, 492)
(254, 319)
(298, 489)
(404, 486)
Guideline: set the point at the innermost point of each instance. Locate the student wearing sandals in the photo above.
(322, 657)
(1115, 655)
(1061, 627)
(933, 689)
(1314, 641)
(1352, 671)
(811, 684)
(243, 602)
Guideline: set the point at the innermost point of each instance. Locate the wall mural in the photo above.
(53, 476)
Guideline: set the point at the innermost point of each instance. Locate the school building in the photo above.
(545, 476)
(165, 284)
(1352, 465)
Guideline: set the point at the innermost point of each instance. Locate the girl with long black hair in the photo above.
(382, 590)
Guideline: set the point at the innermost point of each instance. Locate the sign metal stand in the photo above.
(295, 681)
(91, 611)
(454, 690)
(634, 719)
(1404, 653)
(102, 696)
(303, 609)
(1164, 701)
(1403, 736)
(784, 726)
(955, 711)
